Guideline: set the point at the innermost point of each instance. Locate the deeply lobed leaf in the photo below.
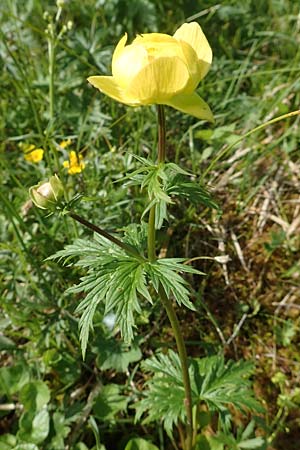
(213, 382)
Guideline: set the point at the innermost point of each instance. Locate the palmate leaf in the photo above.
(118, 281)
(219, 384)
(191, 190)
(155, 179)
(113, 279)
(116, 284)
(165, 272)
(164, 399)
(213, 382)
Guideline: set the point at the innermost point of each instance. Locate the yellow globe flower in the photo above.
(160, 69)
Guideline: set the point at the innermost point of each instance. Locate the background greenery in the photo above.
(248, 302)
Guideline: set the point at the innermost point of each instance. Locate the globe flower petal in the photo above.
(109, 86)
(192, 34)
(128, 64)
(159, 81)
(153, 38)
(192, 104)
(119, 49)
(160, 69)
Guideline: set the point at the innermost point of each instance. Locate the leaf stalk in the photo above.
(128, 248)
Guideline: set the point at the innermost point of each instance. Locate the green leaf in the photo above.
(246, 433)
(193, 192)
(213, 382)
(219, 384)
(140, 444)
(35, 395)
(34, 428)
(252, 443)
(239, 443)
(155, 178)
(61, 430)
(116, 355)
(202, 443)
(165, 272)
(214, 443)
(7, 441)
(113, 279)
(110, 402)
(6, 343)
(285, 332)
(13, 378)
(164, 399)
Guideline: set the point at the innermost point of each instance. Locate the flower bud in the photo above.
(46, 195)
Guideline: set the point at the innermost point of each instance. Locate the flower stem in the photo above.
(128, 248)
(184, 364)
(160, 159)
(163, 296)
(51, 56)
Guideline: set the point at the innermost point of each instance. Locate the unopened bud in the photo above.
(45, 195)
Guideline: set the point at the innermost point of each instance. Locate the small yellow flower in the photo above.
(160, 69)
(31, 153)
(65, 144)
(75, 163)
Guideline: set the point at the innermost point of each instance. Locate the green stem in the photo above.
(164, 298)
(151, 235)
(51, 53)
(160, 159)
(184, 364)
(128, 248)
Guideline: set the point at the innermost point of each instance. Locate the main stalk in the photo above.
(167, 303)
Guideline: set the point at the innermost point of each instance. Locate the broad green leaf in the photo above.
(61, 430)
(34, 427)
(40, 426)
(113, 354)
(219, 384)
(7, 441)
(109, 402)
(81, 446)
(13, 378)
(34, 395)
(140, 444)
